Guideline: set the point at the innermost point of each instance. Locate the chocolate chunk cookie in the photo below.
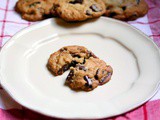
(34, 10)
(79, 10)
(66, 57)
(89, 75)
(125, 9)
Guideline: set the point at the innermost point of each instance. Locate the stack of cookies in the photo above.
(80, 10)
(87, 71)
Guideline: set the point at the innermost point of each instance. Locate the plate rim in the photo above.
(3, 84)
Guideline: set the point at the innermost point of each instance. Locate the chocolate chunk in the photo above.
(91, 54)
(95, 8)
(73, 63)
(63, 69)
(88, 13)
(81, 67)
(76, 2)
(70, 75)
(96, 76)
(112, 14)
(124, 8)
(34, 4)
(89, 81)
(74, 55)
(84, 61)
(138, 1)
(105, 79)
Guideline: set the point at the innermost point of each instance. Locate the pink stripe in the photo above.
(3, 25)
(6, 36)
(154, 15)
(152, 22)
(6, 21)
(154, 35)
(145, 112)
(5, 9)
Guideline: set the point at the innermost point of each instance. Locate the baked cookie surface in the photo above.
(125, 9)
(34, 10)
(89, 75)
(66, 57)
(79, 10)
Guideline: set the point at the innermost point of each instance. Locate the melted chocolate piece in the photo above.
(81, 67)
(88, 13)
(112, 14)
(63, 69)
(89, 81)
(96, 76)
(91, 54)
(84, 61)
(95, 8)
(76, 2)
(124, 8)
(73, 63)
(74, 55)
(105, 79)
(138, 1)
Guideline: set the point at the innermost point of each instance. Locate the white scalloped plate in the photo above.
(134, 57)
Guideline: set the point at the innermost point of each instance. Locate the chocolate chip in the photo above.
(81, 67)
(34, 4)
(96, 76)
(91, 54)
(76, 2)
(70, 75)
(95, 8)
(73, 63)
(112, 14)
(88, 13)
(89, 81)
(105, 79)
(84, 61)
(63, 69)
(61, 50)
(74, 55)
(138, 1)
(124, 8)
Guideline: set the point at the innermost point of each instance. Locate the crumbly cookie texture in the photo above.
(125, 9)
(79, 10)
(66, 57)
(34, 10)
(89, 75)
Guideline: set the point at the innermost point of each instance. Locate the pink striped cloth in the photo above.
(11, 22)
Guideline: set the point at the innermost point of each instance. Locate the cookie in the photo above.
(66, 57)
(125, 9)
(89, 75)
(34, 10)
(79, 10)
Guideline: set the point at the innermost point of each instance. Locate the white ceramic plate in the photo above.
(134, 57)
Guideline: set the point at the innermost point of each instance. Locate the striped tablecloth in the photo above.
(11, 22)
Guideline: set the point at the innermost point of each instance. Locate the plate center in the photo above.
(112, 52)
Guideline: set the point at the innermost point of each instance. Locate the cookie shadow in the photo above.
(70, 25)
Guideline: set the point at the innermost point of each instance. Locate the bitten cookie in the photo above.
(125, 9)
(79, 10)
(66, 57)
(89, 75)
(34, 10)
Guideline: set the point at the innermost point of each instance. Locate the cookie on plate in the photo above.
(34, 10)
(79, 10)
(66, 57)
(125, 9)
(89, 75)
